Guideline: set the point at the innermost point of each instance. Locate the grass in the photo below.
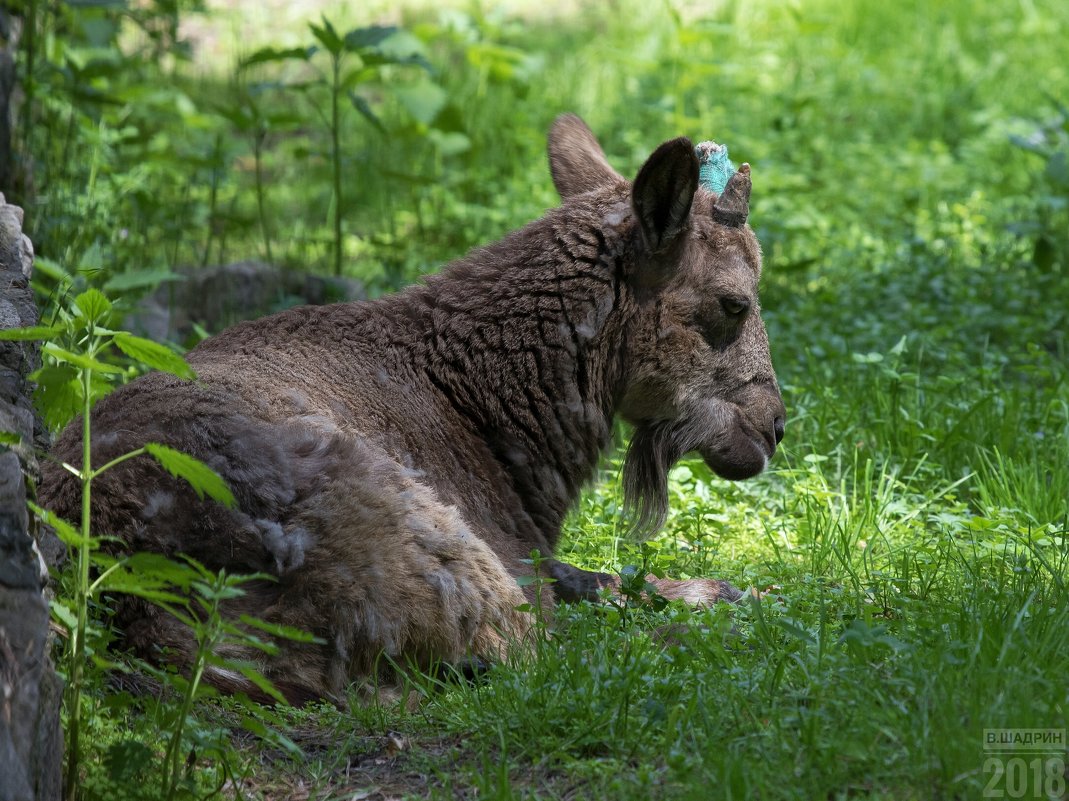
(909, 545)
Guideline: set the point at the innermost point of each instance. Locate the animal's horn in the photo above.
(733, 205)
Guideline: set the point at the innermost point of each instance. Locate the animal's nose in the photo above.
(778, 425)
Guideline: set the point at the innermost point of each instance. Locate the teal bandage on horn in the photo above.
(714, 166)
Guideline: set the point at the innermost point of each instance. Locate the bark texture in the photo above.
(30, 740)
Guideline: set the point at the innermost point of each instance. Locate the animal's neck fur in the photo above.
(524, 337)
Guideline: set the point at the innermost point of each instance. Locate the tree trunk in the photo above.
(31, 746)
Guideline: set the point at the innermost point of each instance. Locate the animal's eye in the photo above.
(735, 307)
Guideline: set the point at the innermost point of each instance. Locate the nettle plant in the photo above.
(79, 369)
(354, 69)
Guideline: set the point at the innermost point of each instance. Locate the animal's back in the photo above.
(320, 421)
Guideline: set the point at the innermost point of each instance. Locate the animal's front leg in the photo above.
(697, 592)
(575, 584)
(571, 584)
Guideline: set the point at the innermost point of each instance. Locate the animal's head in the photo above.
(698, 374)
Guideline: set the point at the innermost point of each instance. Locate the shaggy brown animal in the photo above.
(395, 461)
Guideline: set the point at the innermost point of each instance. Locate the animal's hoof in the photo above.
(472, 670)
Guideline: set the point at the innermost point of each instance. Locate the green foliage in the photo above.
(187, 591)
(213, 633)
(200, 477)
(153, 355)
(364, 52)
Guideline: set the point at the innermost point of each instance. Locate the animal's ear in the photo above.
(576, 160)
(663, 192)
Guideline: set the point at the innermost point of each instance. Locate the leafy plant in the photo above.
(202, 612)
(249, 119)
(364, 52)
(83, 327)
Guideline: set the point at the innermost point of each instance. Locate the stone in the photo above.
(31, 743)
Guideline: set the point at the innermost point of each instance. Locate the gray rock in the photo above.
(218, 296)
(31, 745)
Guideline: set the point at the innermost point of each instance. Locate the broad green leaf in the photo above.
(237, 579)
(256, 726)
(282, 118)
(141, 279)
(92, 261)
(50, 268)
(1058, 169)
(257, 678)
(450, 120)
(279, 630)
(378, 58)
(10, 438)
(360, 39)
(402, 47)
(196, 566)
(67, 533)
(241, 635)
(64, 615)
(131, 584)
(126, 760)
(58, 394)
(202, 478)
(361, 105)
(242, 116)
(795, 631)
(29, 333)
(355, 75)
(502, 62)
(271, 54)
(1044, 254)
(161, 569)
(153, 354)
(422, 100)
(402, 44)
(79, 359)
(327, 36)
(104, 663)
(99, 386)
(93, 305)
(212, 592)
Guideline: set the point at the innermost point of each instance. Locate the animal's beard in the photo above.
(714, 428)
(654, 448)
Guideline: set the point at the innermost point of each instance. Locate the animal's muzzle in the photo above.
(765, 412)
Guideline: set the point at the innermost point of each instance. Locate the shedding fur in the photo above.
(395, 462)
